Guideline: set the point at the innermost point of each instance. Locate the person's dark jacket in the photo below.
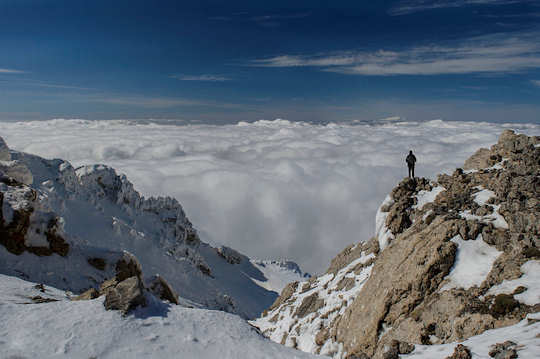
(411, 160)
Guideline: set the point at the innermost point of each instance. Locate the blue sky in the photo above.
(229, 61)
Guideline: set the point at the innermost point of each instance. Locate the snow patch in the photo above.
(473, 263)
(425, 197)
(481, 198)
(384, 234)
(529, 279)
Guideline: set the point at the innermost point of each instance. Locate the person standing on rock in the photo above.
(411, 160)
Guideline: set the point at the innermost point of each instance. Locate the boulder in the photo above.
(460, 352)
(125, 296)
(159, 286)
(506, 350)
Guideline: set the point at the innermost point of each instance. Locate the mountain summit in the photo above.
(452, 258)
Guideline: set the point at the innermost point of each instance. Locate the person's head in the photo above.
(410, 152)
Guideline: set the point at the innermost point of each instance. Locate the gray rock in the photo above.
(159, 286)
(4, 151)
(125, 296)
(506, 350)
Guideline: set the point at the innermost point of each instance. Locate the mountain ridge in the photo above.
(58, 221)
(438, 269)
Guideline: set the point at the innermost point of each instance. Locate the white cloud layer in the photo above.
(271, 189)
(412, 6)
(481, 54)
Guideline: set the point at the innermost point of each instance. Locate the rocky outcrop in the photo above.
(431, 275)
(126, 290)
(163, 290)
(27, 224)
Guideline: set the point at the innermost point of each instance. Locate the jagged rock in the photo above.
(4, 151)
(309, 305)
(162, 289)
(16, 170)
(27, 225)
(39, 299)
(506, 350)
(504, 304)
(481, 159)
(460, 352)
(91, 293)
(98, 263)
(403, 292)
(127, 266)
(230, 255)
(125, 296)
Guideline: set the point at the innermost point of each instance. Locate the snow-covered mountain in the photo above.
(279, 274)
(67, 227)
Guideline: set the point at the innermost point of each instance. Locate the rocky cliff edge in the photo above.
(451, 258)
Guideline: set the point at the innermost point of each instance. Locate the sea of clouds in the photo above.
(270, 189)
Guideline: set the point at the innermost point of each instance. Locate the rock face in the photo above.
(431, 275)
(163, 290)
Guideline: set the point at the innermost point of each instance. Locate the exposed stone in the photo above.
(404, 299)
(159, 286)
(38, 299)
(125, 296)
(98, 263)
(28, 219)
(504, 304)
(506, 350)
(321, 336)
(286, 293)
(460, 352)
(310, 304)
(230, 255)
(91, 293)
(481, 159)
(127, 266)
(4, 151)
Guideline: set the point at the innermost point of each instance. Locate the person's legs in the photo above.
(412, 171)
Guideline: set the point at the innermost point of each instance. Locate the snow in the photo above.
(384, 234)
(481, 198)
(278, 274)
(473, 263)
(100, 215)
(525, 334)
(529, 279)
(84, 329)
(304, 330)
(425, 197)
(271, 189)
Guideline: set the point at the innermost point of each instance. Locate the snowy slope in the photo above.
(84, 329)
(99, 215)
(278, 274)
